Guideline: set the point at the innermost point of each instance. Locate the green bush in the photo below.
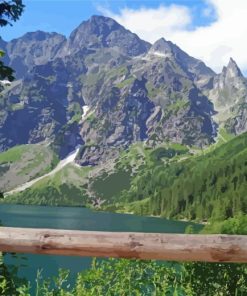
(123, 277)
(113, 277)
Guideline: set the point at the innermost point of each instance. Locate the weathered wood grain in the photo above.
(175, 247)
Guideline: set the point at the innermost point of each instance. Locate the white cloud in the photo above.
(151, 24)
(214, 43)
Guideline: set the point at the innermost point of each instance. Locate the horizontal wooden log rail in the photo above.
(175, 247)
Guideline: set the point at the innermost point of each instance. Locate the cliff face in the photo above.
(33, 49)
(105, 88)
(229, 95)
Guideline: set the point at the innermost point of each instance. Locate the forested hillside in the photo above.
(199, 187)
(106, 90)
(169, 181)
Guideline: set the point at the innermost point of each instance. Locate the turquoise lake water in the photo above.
(74, 219)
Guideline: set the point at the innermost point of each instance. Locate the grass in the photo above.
(178, 105)
(24, 163)
(152, 90)
(109, 186)
(65, 188)
(116, 72)
(125, 82)
(225, 135)
(73, 185)
(16, 107)
(13, 154)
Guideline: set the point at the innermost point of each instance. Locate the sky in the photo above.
(211, 30)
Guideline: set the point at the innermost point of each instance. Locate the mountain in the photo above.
(170, 180)
(148, 97)
(102, 32)
(23, 163)
(195, 68)
(229, 95)
(210, 185)
(34, 48)
(104, 88)
(150, 120)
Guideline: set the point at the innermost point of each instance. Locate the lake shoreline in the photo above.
(115, 212)
(76, 218)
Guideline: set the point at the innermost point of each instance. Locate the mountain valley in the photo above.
(149, 119)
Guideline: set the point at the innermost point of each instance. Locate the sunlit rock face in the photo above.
(229, 95)
(104, 88)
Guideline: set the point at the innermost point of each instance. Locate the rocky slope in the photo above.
(34, 48)
(132, 91)
(229, 95)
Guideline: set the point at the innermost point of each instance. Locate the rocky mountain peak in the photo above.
(38, 36)
(103, 22)
(33, 48)
(229, 94)
(96, 26)
(104, 32)
(230, 73)
(198, 71)
(161, 48)
(162, 95)
(232, 70)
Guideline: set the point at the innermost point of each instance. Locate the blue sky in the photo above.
(211, 30)
(64, 15)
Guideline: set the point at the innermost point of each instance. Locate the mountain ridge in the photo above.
(134, 90)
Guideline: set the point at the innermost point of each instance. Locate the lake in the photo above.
(76, 219)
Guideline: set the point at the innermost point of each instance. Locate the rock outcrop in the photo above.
(134, 91)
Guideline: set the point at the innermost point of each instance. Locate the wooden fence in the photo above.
(175, 247)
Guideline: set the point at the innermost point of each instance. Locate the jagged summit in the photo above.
(194, 67)
(33, 48)
(229, 95)
(134, 91)
(168, 48)
(39, 36)
(232, 70)
(162, 48)
(96, 25)
(99, 19)
(104, 32)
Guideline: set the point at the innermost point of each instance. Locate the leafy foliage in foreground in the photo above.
(134, 277)
(10, 283)
(113, 277)
(9, 11)
(235, 225)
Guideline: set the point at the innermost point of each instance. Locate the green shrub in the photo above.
(123, 277)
